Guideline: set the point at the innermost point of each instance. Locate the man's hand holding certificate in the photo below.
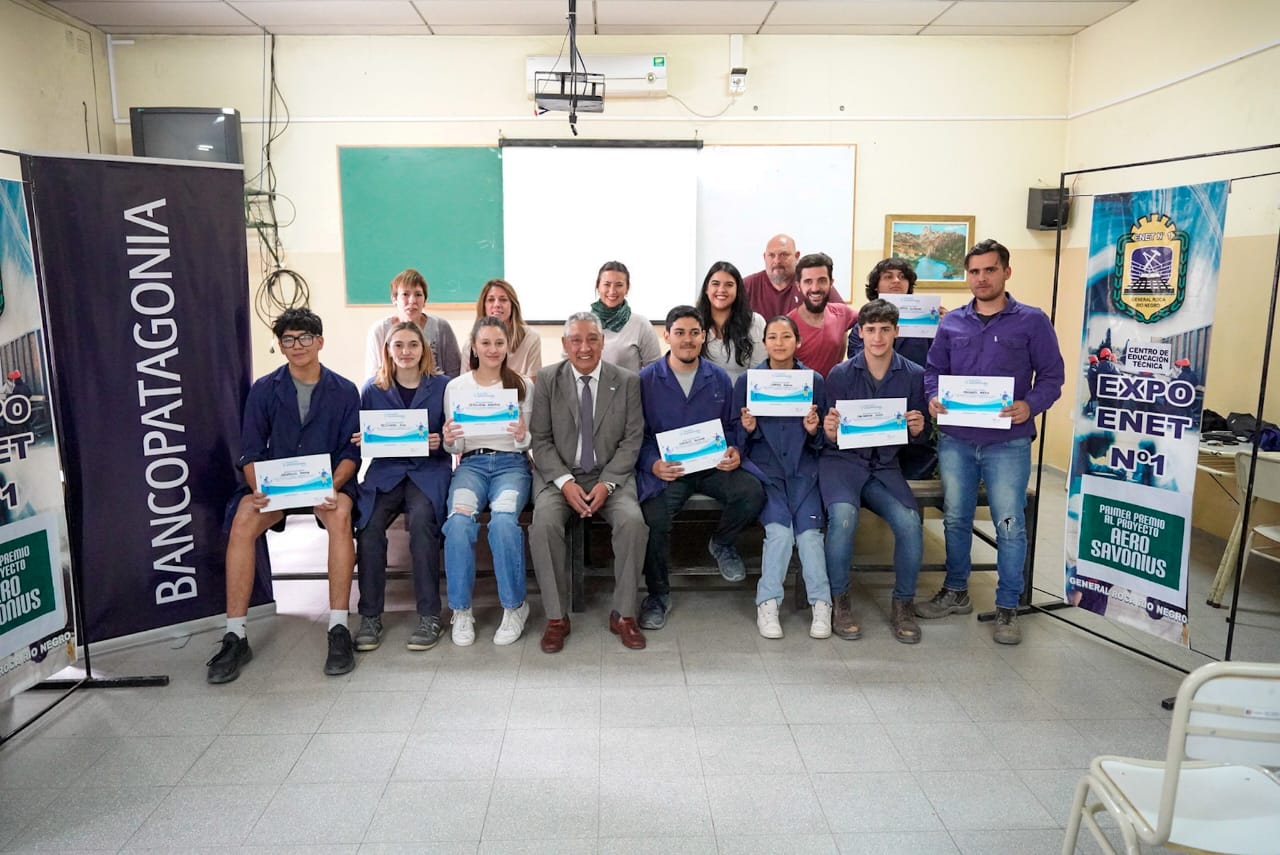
(779, 393)
(294, 482)
(694, 448)
(394, 433)
(983, 402)
(918, 314)
(485, 411)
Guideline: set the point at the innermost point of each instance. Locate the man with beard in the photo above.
(824, 325)
(677, 391)
(773, 291)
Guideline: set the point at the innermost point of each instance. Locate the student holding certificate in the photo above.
(785, 449)
(855, 475)
(414, 486)
(300, 409)
(996, 337)
(493, 471)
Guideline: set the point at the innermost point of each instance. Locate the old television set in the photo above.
(187, 133)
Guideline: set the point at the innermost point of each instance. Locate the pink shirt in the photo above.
(768, 302)
(824, 348)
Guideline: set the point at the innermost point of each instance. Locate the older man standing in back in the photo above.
(774, 291)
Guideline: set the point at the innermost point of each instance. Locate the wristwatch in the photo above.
(610, 486)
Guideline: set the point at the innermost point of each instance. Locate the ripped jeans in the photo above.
(1005, 468)
(499, 481)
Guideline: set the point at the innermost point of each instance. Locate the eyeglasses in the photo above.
(304, 340)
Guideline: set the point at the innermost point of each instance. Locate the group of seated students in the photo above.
(584, 443)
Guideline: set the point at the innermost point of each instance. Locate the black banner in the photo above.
(143, 276)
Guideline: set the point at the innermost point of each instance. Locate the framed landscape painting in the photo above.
(934, 244)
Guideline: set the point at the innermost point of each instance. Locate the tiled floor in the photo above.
(713, 740)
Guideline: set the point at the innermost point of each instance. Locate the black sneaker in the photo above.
(426, 636)
(342, 653)
(225, 665)
(654, 611)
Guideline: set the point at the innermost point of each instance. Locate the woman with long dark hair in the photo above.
(735, 334)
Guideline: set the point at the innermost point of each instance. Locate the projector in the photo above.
(553, 90)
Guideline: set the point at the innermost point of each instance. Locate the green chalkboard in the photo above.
(435, 209)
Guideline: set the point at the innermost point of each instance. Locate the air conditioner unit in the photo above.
(625, 75)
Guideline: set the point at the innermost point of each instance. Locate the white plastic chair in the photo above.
(1266, 486)
(1212, 792)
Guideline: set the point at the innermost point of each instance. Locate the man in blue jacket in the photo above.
(299, 409)
(872, 477)
(996, 336)
(679, 390)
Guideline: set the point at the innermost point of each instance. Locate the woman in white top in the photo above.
(524, 346)
(629, 339)
(493, 471)
(735, 334)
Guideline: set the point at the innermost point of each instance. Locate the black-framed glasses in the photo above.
(305, 340)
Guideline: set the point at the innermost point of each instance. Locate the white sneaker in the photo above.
(821, 625)
(464, 627)
(767, 619)
(512, 625)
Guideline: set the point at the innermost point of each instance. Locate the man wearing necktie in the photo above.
(586, 425)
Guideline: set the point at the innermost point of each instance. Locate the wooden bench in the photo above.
(701, 507)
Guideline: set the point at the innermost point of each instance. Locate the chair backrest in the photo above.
(1226, 712)
(1266, 484)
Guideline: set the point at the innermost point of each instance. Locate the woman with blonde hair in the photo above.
(524, 347)
(415, 486)
(409, 297)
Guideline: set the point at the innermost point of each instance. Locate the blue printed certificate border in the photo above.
(295, 482)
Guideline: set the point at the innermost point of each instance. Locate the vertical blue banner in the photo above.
(37, 638)
(1151, 289)
(143, 272)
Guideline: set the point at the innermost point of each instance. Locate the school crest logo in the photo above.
(1150, 279)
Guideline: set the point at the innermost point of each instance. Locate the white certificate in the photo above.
(484, 411)
(779, 393)
(918, 314)
(295, 482)
(695, 447)
(872, 421)
(975, 401)
(394, 433)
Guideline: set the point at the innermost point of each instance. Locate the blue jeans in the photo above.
(501, 481)
(908, 539)
(1005, 468)
(778, 539)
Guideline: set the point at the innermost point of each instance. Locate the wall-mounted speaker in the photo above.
(1043, 209)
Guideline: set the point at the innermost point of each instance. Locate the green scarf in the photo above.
(613, 320)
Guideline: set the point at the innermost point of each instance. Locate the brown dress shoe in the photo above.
(554, 635)
(627, 630)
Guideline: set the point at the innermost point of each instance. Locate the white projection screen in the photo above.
(668, 214)
(567, 210)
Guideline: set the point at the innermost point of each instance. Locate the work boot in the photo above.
(842, 621)
(1007, 630)
(903, 622)
(945, 602)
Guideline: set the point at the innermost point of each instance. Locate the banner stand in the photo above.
(1051, 608)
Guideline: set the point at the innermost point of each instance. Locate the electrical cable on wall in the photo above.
(281, 288)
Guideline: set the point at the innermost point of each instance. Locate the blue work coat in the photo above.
(271, 429)
(844, 472)
(666, 408)
(787, 457)
(430, 474)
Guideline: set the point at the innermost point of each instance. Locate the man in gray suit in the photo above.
(586, 426)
